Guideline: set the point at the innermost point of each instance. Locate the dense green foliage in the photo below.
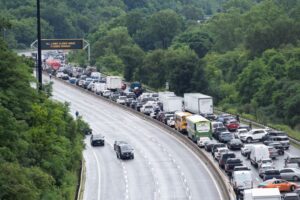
(246, 55)
(40, 143)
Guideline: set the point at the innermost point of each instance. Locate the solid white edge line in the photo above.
(99, 175)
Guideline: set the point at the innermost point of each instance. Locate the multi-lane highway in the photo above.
(163, 168)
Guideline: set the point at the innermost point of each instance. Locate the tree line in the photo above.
(40, 143)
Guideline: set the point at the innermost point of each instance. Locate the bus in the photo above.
(180, 121)
(198, 126)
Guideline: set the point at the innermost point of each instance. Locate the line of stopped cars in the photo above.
(259, 148)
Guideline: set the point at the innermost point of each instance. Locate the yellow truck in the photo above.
(180, 121)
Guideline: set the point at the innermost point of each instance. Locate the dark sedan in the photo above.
(235, 144)
(208, 146)
(97, 140)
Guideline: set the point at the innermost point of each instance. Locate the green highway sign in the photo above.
(52, 44)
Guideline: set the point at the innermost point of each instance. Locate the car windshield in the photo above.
(264, 168)
(294, 160)
(122, 97)
(242, 176)
(97, 136)
(270, 172)
(126, 148)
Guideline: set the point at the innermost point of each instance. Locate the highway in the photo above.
(163, 168)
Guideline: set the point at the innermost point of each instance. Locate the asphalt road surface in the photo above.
(163, 167)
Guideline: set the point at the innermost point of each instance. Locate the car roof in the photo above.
(97, 135)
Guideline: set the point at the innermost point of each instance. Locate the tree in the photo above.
(182, 64)
(110, 63)
(132, 57)
(198, 40)
(161, 28)
(250, 79)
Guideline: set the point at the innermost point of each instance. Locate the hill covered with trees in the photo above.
(40, 143)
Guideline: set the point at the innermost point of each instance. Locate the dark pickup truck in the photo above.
(271, 173)
(231, 163)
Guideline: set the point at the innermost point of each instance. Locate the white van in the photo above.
(259, 152)
(215, 125)
(241, 180)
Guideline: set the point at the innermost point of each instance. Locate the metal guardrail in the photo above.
(226, 188)
(293, 140)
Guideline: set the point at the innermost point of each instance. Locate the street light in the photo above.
(39, 51)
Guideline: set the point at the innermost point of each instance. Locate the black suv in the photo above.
(224, 157)
(270, 174)
(277, 136)
(124, 151)
(231, 163)
(118, 143)
(97, 140)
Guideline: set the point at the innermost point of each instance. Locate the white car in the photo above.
(121, 100)
(265, 162)
(201, 141)
(146, 109)
(264, 168)
(106, 93)
(220, 151)
(171, 122)
(240, 132)
(253, 135)
(59, 74)
(245, 150)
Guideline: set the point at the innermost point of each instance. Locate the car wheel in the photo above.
(249, 140)
(132, 157)
(292, 188)
(295, 178)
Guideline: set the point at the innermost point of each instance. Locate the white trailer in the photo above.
(198, 103)
(172, 104)
(163, 95)
(113, 82)
(262, 194)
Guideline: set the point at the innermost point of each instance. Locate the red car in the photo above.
(232, 125)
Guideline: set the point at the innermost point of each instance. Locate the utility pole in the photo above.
(39, 50)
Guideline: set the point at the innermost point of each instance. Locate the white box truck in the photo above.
(198, 103)
(172, 104)
(163, 95)
(262, 194)
(113, 82)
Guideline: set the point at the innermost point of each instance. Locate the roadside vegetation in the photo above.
(40, 143)
(244, 53)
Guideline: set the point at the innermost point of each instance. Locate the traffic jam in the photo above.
(258, 162)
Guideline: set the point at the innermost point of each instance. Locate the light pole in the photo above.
(39, 50)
